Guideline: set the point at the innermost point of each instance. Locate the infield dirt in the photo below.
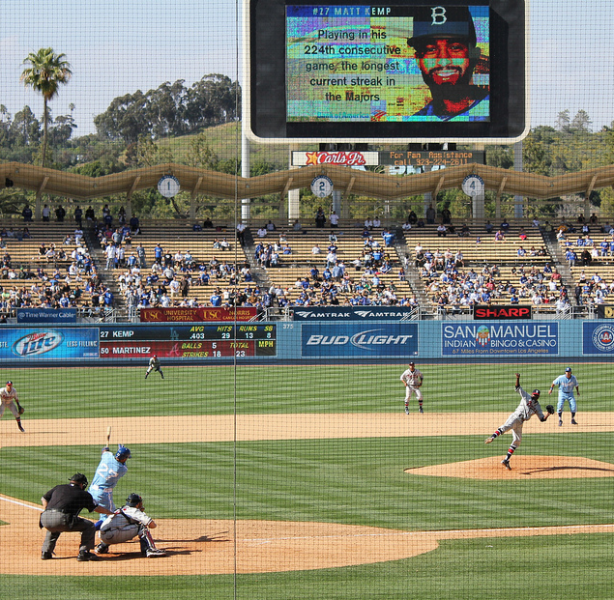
(218, 547)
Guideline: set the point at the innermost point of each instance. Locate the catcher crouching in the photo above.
(127, 523)
(529, 406)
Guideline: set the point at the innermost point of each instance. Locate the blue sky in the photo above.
(119, 46)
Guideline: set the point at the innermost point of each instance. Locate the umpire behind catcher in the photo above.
(62, 506)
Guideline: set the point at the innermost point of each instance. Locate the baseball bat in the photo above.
(108, 435)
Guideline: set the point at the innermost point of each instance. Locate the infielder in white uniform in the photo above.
(412, 378)
(8, 398)
(529, 406)
(126, 523)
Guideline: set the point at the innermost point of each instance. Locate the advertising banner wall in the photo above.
(345, 313)
(47, 315)
(45, 343)
(500, 339)
(598, 338)
(190, 315)
(360, 340)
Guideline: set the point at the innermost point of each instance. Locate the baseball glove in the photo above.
(550, 409)
(21, 410)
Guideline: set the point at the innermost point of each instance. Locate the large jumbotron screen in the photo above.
(379, 71)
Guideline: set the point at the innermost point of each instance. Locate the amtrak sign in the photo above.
(364, 313)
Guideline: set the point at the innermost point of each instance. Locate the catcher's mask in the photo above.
(122, 453)
(134, 500)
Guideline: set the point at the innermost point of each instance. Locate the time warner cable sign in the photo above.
(500, 339)
(359, 340)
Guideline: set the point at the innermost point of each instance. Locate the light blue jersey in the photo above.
(566, 393)
(566, 385)
(108, 473)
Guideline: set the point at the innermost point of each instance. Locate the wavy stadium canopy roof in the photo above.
(347, 180)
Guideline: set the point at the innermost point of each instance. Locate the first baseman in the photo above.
(8, 398)
(154, 365)
(567, 383)
(111, 469)
(412, 378)
(127, 523)
(529, 406)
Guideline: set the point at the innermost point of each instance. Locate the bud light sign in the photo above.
(359, 340)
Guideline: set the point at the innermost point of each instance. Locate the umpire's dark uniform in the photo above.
(62, 506)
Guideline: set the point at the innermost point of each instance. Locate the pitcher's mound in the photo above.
(523, 467)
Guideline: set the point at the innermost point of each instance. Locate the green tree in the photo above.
(581, 122)
(200, 153)
(47, 71)
(563, 120)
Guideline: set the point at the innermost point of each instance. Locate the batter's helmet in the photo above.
(122, 453)
(134, 500)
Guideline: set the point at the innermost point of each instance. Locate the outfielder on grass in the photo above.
(412, 378)
(529, 406)
(127, 523)
(154, 365)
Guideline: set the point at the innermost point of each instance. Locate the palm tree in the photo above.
(46, 72)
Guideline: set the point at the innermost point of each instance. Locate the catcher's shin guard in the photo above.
(147, 542)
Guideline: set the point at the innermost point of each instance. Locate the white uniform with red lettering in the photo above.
(8, 395)
(8, 398)
(412, 378)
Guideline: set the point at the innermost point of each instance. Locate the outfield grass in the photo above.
(350, 481)
(100, 392)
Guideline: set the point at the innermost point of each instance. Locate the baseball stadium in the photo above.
(306, 301)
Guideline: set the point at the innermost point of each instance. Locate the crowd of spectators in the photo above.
(176, 278)
(55, 277)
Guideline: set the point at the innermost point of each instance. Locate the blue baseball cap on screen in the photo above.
(568, 370)
(442, 22)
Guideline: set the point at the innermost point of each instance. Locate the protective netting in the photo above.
(300, 386)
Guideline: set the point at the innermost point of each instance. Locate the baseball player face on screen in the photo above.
(529, 406)
(444, 42)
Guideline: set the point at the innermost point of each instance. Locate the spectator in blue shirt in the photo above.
(388, 237)
(216, 298)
